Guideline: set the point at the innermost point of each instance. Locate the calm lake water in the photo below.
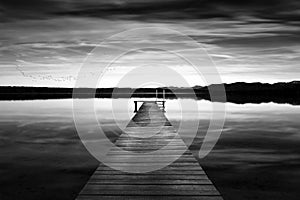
(42, 157)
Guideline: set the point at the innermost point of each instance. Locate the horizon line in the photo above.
(294, 81)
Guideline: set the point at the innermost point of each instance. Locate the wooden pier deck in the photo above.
(182, 179)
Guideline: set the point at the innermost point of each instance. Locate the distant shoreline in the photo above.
(239, 93)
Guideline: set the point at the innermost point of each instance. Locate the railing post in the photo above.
(135, 106)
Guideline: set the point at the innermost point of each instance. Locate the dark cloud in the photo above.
(269, 40)
(193, 9)
(153, 9)
(32, 9)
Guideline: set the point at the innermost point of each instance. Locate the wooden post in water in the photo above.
(164, 101)
(135, 106)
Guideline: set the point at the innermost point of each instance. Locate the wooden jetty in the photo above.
(182, 179)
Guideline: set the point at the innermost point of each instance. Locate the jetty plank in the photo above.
(147, 132)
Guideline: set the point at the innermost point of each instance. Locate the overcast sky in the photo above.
(44, 42)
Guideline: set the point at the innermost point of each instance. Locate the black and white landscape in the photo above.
(254, 45)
